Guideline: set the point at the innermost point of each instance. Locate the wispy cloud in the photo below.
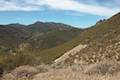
(67, 5)
(80, 7)
(14, 5)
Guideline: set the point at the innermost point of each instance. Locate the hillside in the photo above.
(19, 44)
(103, 42)
(98, 38)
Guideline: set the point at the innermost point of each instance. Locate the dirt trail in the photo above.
(71, 52)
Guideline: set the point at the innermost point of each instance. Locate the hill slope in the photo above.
(98, 38)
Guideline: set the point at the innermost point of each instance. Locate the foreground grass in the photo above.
(106, 70)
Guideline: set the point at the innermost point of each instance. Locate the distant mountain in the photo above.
(11, 36)
(48, 27)
(40, 35)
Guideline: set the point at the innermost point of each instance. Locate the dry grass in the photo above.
(103, 68)
(67, 74)
(107, 70)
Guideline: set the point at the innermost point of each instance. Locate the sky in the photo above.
(78, 13)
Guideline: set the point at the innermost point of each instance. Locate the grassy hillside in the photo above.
(97, 38)
(102, 40)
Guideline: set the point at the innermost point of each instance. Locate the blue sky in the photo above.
(79, 13)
